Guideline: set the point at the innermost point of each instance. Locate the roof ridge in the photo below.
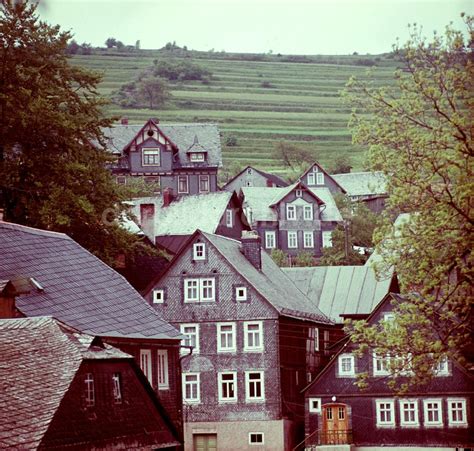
(34, 230)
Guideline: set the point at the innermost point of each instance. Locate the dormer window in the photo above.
(151, 157)
(199, 251)
(197, 157)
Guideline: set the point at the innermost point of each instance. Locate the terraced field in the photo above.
(301, 106)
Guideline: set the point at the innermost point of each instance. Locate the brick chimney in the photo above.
(251, 248)
(147, 220)
(167, 196)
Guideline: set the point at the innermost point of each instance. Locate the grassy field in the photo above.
(303, 105)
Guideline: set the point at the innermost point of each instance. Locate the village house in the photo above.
(183, 157)
(250, 176)
(254, 342)
(62, 389)
(295, 219)
(434, 416)
(317, 176)
(52, 275)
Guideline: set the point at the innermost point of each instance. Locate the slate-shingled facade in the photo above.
(255, 339)
(59, 278)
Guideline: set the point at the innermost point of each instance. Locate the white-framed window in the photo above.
(389, 317)
(197, 156)
(308, 239)
(199, 290)
(327, 238)
(254, 386)
(199, 251)
(346, 365)
(117, 387)
(442, 368)
(253, 336)
(314, 405)
(151, 157)
(256, 438)
(229, 220)
(292, 239)
(162, 367)
(191, 388)
(308, 212)
(319, 178)
(241, 293)
(385, 409)
(409, 412)
(381, 365)
(158, 296)
(227, 388)
(311, 178)
(183, 186)
(433, 412)
(299, 193)
(191, 331)
(226, 337)
(270, 239)
(90, 389)
(203, 183)
(290, 212)
(145, 364)
(457, 415)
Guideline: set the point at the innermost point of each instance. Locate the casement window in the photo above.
(433, 412)
(253, 336)
(199, 290)
(199, 251)
(191, 388)
(327, 238)
(183, 184)
(308, 240)
(381, 365)
(163, 377)
(319, 178)
(226, 337)
(270, 239)
(158, 296)
(117, 387)
(191, 331)
(241, 294)
(290, 212)
(314, 405)
(292, 239)
(409, 412)
(197, 156)
(151, 157)
(457, 415)
(346, 365)
(90, 390)
(145, 364)
(256, 438)
(229, 218)
(308, 212)
(203, 183)
(254, 386)
(227, 388)
(312, 343)
(385, 409)
(311, 178)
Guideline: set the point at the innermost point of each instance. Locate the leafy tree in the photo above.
(279, 257)
(420, 135)
(341, 165)
(110, 43)
(51, 177)
(146, 91)
(341, 253)
(175, 70)
(292, 157)
(304, 259)
(120, 45)
(73, 47)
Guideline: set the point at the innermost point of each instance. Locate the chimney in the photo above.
(124, 121)
(251, 248)
(147, 220)
(167, 196)
(9, 290)
(269, 184)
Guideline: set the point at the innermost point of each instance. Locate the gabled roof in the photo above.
(341, 290)
(40, 358)
(272, 177)
(196, 146)
(270, 281)
(78, 288)
(325, 173)
(362, 183)
(182, 136)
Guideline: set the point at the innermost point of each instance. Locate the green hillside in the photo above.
(302, 104)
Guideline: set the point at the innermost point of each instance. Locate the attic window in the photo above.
(197, 156)
(241, 293)
(315, 405)
(299, 193)
(199, 251)
(150, 132)
(158, 296)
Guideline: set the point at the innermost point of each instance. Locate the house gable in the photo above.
(311, 178)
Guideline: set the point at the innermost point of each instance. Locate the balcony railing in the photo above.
(341, 437)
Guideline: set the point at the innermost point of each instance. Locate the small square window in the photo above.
(314, 405)
(256, 438)
(158, 296)
(199, 251)
(241, 293)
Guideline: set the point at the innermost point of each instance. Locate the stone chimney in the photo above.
(167, 196)
(251, 248)
(147, 220)
(124, 121)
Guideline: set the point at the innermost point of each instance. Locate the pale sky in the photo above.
(283, 26)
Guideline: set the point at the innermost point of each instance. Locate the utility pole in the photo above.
(346, 238)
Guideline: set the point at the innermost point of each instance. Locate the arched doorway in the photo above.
(335, 430)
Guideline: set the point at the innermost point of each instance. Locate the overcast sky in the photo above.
(283, 26)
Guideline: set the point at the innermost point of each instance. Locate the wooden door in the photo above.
(205, 442)
(335, 424)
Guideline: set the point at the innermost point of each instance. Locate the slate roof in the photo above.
(259, 201)
(341, 290)
(39, 359)
(362, 183)
(79, 289)
(182, 135)
(272, 177)
(270, 281)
